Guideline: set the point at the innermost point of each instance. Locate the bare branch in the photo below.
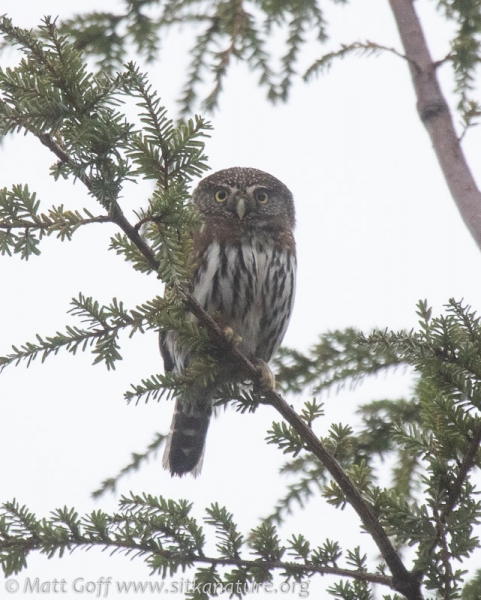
(436, 116)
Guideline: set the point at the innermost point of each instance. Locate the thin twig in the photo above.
(441, 540)
(149, 219)
(52, 145)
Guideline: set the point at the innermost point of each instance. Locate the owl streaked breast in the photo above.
(253, 290)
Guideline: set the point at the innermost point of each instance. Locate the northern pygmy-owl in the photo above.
(245, 271)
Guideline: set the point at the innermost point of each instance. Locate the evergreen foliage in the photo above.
(239, 29)
(231, 30)
(431, 440)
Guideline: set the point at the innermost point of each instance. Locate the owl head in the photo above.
(246, 197)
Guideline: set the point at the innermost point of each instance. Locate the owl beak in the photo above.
(241, 207)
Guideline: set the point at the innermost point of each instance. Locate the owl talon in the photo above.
(267, 379)
(231, 336)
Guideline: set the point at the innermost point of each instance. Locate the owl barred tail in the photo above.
(184, 451)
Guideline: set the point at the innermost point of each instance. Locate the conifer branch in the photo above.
(239, 22)
(79, 171)
(366, 48)
(104, 323)
(73, 339)
(467, 464)
(305, 569)
(159, 530)
(339, 358)
(447, 574)
(37, 544)
(22, 224)
(116, 215)
(454, 494)
(403, 581)
(435, 114)
(60, 153)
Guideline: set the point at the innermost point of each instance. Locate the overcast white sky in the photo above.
(377, 230)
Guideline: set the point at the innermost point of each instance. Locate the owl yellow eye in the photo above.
(262, 196)
(221, 195)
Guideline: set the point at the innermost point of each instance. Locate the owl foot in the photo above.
(232, 337)
(267, 379)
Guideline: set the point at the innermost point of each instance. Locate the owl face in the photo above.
(247, 197)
